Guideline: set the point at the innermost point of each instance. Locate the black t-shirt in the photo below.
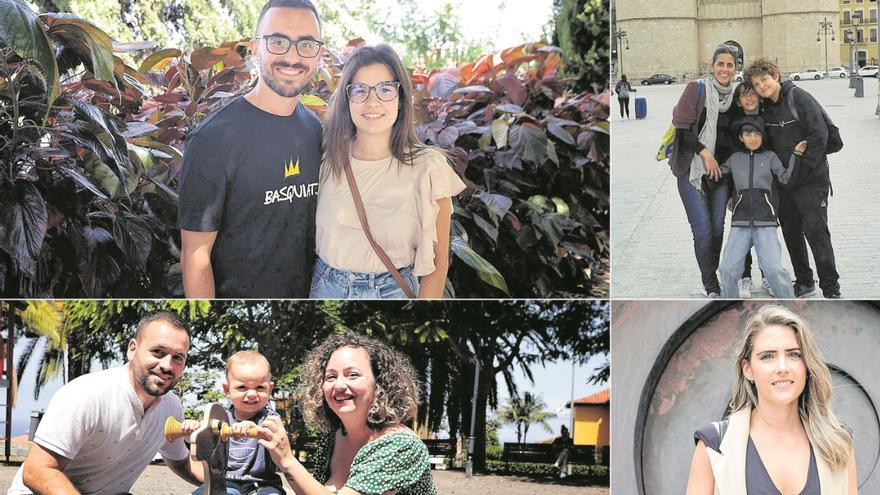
(253, 177)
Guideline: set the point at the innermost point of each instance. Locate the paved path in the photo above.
(159, 480)
(652, 246)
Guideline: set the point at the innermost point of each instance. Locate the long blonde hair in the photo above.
(826, 433)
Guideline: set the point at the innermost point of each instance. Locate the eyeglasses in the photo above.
(385, 91)
(278, 44)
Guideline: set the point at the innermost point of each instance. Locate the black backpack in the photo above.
(834, 143)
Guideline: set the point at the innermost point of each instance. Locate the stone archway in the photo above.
(680, 380)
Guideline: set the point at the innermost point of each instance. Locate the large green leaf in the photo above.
(485, 270)
(23, 223)
(22, 31)
(93, 46)
(159, 60)
(530, 141)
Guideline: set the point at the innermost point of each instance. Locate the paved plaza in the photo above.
(159, 480)
(652, 247)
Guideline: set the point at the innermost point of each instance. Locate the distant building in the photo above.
(678, 37)
(591, 419)
(862, 32)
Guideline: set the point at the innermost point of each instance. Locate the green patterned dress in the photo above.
(397, 461)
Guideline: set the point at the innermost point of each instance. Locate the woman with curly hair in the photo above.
(360, 392)
(781, 436)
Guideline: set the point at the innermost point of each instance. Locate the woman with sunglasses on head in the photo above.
(781, 436)
(372, 153)
(701, 123)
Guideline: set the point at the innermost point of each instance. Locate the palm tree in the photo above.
(523, 412)
(45, 319)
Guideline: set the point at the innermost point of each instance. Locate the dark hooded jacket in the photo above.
(785, 132)
(752, 173)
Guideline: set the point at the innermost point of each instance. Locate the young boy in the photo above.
(754, 219)
(248, 386)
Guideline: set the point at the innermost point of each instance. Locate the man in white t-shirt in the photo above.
(101, 430)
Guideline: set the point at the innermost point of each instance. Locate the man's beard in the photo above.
(143, 378)
(279, 88)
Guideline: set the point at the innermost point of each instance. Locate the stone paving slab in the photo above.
(651, 242)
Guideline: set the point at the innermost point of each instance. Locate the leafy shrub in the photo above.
(595, 473)
(89, 163)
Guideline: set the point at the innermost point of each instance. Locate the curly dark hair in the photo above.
(397, 393)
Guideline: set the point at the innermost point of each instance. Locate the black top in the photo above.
(253, 177)
(758, 481)
(784, 132)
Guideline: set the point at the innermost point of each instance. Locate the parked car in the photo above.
(868, 71)
(807, 74)
(658, 79)
(840, 72)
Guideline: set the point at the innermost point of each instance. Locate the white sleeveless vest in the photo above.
(729, 466)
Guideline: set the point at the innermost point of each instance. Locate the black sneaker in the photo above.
(801, 290)
(831, 294)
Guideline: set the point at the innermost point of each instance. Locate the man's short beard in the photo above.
(151, 390)
(277, 87)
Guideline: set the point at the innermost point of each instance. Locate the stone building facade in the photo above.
(679, 36)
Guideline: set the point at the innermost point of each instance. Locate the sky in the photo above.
(552, 383)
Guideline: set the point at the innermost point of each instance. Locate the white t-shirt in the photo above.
(401, 206)
(98, 422)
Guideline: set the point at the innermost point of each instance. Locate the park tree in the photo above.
(498, 337)
(523, 411)
(583, 34)
(43, 340)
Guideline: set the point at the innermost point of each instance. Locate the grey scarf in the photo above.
(709, 133)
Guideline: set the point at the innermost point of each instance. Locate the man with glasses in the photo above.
(249, 185)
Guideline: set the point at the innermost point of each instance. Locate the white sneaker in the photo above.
(745, 288)
(766, 285)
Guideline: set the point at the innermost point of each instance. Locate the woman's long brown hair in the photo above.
(340, 130)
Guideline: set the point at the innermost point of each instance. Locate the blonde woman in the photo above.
(781, 436)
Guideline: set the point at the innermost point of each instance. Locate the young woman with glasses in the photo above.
(406, 188)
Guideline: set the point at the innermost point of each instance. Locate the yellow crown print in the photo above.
(291, 168)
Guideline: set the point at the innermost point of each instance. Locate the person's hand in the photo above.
(190, 425)
(713, 170)
(273, 437)
(800, 148)
(241, 429)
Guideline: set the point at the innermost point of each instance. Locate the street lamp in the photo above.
(621, 38)
(824, 27)
(855, 20)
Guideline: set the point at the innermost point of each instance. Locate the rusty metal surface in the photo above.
(684, 370)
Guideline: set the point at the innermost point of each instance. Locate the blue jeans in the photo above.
(739, 241)
(706, 213)
(244, 488)
(333, 283)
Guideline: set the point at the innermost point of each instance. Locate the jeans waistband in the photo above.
(324, 270)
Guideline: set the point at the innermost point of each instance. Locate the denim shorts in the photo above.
(333, 283)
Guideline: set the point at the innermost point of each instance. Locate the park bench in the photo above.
(439, 450)
(546, 453)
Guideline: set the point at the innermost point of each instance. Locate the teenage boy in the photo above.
(803, 208)
(754, 219)
(249, 186)
(102, 429)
